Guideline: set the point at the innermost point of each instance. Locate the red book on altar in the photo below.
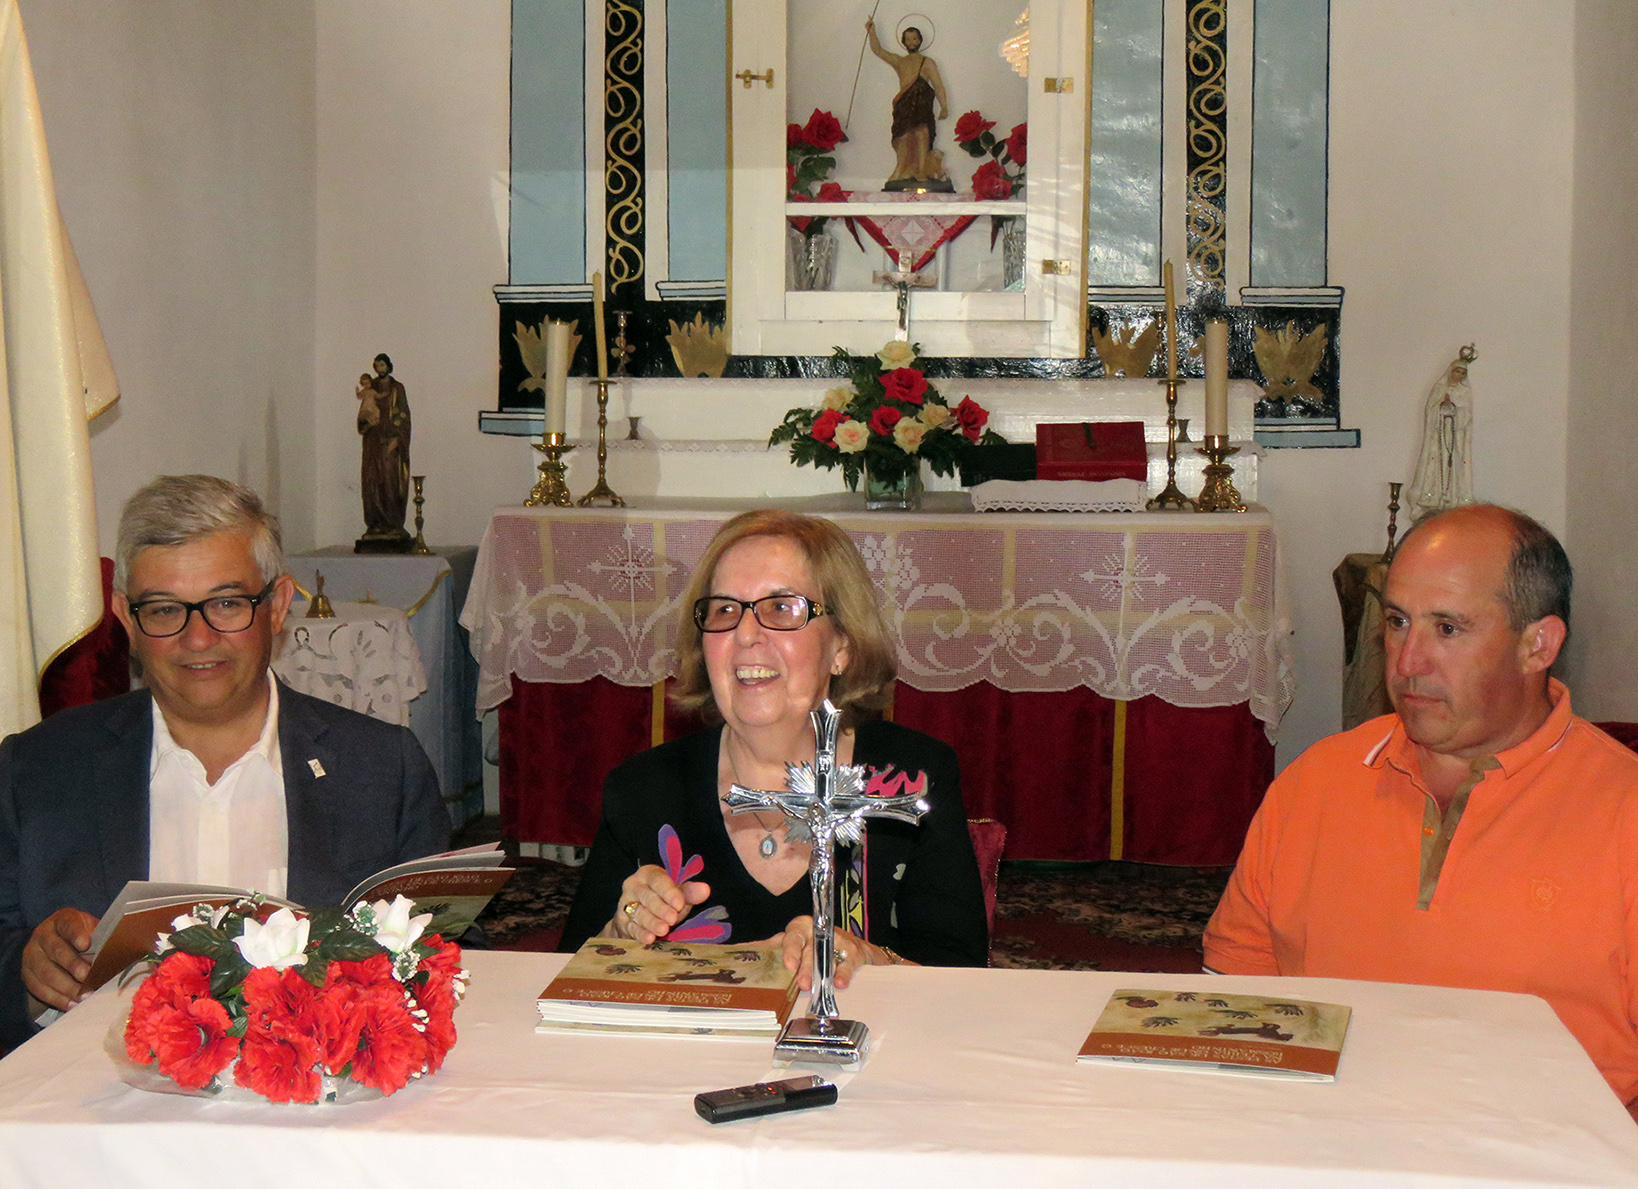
(1091, 450)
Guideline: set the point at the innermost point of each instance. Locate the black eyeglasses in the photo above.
(159, 618)
(777, 613)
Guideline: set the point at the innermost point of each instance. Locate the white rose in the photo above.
(908, 434)
(280, 943)
(852, 436)
(896, 353)
(836, 398)
(395, 929)
(934, 414)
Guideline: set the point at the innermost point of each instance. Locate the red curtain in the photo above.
(1041, 764)
(94, 667)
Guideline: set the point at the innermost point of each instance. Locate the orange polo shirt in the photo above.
(1536, 891)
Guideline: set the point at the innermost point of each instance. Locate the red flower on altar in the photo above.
(791, 191)
(824, 427)
(823, 131)
(832, 192)
(990, 182)
(793, 135)
(435, 994)
(179, 980)
(971, 126)
(972, 417)
(192, 1041)
(906, 384)
(280, 1066)
(391, 1049)
(1018, 144)
(884, 419)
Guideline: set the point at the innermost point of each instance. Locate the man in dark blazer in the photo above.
(93, 797)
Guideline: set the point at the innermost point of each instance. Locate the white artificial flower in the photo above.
(896, 353)
(395, 929)
(852, 436)
(280, 943)
(908, 434)
(836, 398)
(934, 414)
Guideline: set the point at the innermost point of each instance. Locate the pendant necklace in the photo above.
(769, 846)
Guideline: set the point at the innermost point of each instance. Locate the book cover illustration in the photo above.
(673, 977)
(1245, 1033)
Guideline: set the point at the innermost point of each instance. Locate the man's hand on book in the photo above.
(54, 963)
(651, 904)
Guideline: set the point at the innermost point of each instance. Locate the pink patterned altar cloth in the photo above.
(1185, 607)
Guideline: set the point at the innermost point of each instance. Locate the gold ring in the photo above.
(630, 910)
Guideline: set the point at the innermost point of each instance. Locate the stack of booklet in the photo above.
(1208, 1032)
(614, 985)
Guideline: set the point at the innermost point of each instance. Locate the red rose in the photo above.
(832, 192)
(391, 1049)
(972, 417)
(906, 384)
(278, 1066)
(971, 126)
(192, 1042)
(800, 222)
(1018, 144)
(793, 135)
(884, 419)
(823, 131)
(824, 427)
(991, 182)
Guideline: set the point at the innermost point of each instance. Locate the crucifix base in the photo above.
(828, 1041)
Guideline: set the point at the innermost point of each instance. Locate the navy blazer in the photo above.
(74, 813)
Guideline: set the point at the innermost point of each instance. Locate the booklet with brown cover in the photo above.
(615, 985)
(454, 887)
(1208, 1032)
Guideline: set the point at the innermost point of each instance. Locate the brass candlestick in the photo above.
(1218, 495)
(602, 491)
(550, 489)
(1393, 521)
(1172, 496)
(419, 549)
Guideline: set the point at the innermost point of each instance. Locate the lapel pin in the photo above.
(318, 768)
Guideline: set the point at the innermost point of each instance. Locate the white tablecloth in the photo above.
(364, 659)
(1183, 606)
(974, 1083)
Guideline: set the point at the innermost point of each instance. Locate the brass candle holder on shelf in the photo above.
(550, 490)
(1219, 494)
(1172, 496)
(419, 549)
(602, 491)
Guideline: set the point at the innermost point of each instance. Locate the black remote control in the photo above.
(764, 1098)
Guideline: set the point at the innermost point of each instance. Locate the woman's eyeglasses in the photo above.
(777, 613)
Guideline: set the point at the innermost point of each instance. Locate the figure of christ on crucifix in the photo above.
(919, 165)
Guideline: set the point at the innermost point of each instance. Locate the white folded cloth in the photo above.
(1059, 495)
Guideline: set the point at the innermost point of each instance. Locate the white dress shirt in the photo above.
(233, 832)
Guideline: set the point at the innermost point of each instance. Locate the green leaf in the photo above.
(230, 971)
(204, 942)
(314, 969)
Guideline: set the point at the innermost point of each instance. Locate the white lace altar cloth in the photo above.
(1187, 607)
(1059, 495)
(364, 659)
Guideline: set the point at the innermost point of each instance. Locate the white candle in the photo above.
(1217, 378)
(558, 353)
(602, 335)
(1171, 323)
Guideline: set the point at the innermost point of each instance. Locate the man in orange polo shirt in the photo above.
(1482, 835)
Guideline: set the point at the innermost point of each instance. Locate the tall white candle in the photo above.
(1171, 323)
(602, 335)
(558, 352)
(1217, 378)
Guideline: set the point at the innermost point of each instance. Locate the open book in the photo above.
(614, 985)
(1208, 1032)
(454, 887)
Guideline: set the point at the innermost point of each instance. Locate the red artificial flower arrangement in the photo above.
(808, 163)
(278, 1002)
(1002, 176)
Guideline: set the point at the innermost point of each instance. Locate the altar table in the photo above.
(1112, 683)
(973, 1083)
(364, 658)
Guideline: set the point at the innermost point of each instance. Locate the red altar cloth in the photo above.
(1074, 775)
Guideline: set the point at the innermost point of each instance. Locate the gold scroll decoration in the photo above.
(623, 144)
(1207, 138)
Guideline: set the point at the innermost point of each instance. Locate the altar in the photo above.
(1111, 683)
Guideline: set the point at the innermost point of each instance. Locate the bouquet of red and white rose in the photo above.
(287, 999)
(887, 419)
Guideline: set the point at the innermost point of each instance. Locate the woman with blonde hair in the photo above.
(779, 615)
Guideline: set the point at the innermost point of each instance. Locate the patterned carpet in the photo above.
(1049, 916)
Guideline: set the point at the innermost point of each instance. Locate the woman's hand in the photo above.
(851, 953)
(650, 904)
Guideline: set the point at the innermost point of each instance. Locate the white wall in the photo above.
(1602, 481)
(181, 138)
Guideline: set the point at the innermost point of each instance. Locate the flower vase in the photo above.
(1012, 254)
(810, 260)
(901, 493)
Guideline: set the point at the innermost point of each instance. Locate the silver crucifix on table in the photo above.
(828, 803)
